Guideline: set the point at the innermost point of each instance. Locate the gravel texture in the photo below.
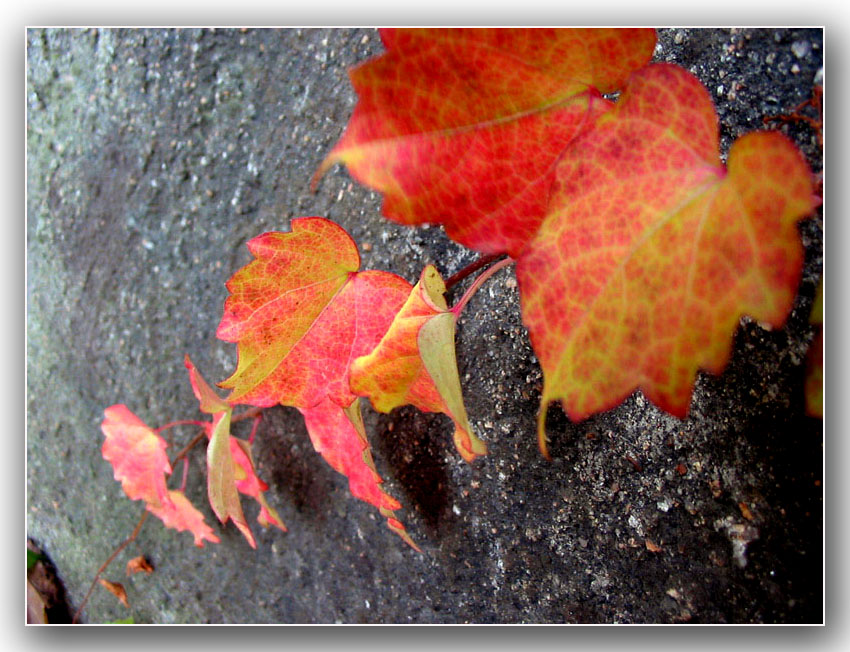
(154, 155)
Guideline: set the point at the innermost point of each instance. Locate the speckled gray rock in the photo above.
(154, 155)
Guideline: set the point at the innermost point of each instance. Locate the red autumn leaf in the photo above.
(414, 364)
(463, 127)
(339, 436)
(139, 565)
(652, 250)
(117, 590)
(814, 360)
(301, 312)
(137, 455)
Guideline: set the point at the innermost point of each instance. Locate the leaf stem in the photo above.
(257, 420)
(473, 267)
(197, 438)
(478, 283)
(105, 564)
(184, 422)
(247, 414)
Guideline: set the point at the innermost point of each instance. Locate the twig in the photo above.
(105, 564)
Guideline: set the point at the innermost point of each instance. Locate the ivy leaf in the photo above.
(300, 312)
(221, 481)
(230, 468)
(339, 436)
(138, 458)
(180, 514)
(463, 127)
(137, 455)
(415, 364)
(814, 360)
(652, 250)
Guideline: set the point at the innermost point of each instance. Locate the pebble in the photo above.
(801, 49)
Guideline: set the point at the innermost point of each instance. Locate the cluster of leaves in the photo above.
(637, 252)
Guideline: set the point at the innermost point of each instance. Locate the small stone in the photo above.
(801, 49)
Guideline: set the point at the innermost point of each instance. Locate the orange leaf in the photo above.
(652, 251)
(339, 436)
(115, 589)
(464, 126)
(301, 312)
(137, 455)
(415, 363)
(139, 565)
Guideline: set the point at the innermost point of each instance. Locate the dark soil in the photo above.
(154, 155)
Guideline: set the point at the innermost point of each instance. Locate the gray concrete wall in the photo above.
(154, 155)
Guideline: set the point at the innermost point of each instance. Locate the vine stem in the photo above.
(183, 422)
(473, 267)
(478, 283)
(105, 564)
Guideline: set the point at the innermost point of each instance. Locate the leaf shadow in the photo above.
(286, 461)
(412, 447)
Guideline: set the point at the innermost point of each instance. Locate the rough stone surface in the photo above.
(154, 155)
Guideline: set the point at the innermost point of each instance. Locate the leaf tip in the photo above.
(320, 172)
(396, 526)
(468, 445)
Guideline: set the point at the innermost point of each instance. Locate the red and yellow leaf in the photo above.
(814, 360)
(339, 436)
(137, 455)
(301, 312)
(414, 364)
(652, 250)
(463, 127)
